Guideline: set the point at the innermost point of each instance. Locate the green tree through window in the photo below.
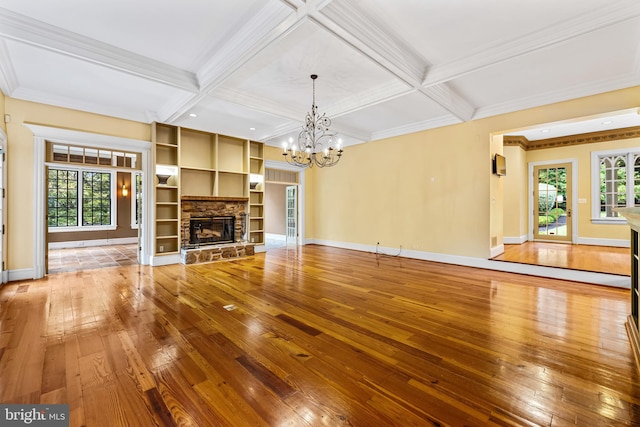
(77, 198)
(62, 202)
(96, 198)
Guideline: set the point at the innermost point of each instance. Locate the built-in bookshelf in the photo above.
(206, 164)
(167, 197)
(256, 193)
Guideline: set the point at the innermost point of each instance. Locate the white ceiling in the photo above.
(386, 67)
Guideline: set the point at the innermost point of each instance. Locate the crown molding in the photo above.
(73, 104)
(550, 97)
(8, 78)
(603, 17)
(415, 127)
(36, 33)
(565, 141)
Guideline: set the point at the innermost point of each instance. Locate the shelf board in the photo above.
(167, 219)
(256, 231)
(166, 237)
(166, 144)
(167, 203)
(256, 217)
(233, 172)
(197, 168)
(213, 198)
(256, 158)
(166, 187)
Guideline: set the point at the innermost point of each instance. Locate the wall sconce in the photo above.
(125, 191)
(254, 180)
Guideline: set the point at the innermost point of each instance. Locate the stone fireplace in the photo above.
(213, 228)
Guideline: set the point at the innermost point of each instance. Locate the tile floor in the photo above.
(77, 259)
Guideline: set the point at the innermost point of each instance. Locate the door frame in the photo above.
(4, 276)
(574, 195)
(274, 164)
(86, 139)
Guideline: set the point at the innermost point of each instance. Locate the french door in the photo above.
(292, 214)
(552, 202)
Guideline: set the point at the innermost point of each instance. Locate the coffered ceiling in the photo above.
(385, 67)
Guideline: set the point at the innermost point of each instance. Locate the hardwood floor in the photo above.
(599, 259)
(318, 336)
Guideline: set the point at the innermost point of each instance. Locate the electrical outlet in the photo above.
(161, 248)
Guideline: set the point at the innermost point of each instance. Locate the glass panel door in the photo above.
(552, 202)
(292, 214)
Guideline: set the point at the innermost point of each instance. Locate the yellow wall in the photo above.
(515, 193)
(583, 155)
(20, 167)
(430, 190)
(496, 206)
(2, 112)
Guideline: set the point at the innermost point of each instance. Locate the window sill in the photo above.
(614, 221)
(79, 229)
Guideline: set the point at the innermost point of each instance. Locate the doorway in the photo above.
(284, 192)
(44, 134)
(552, 209)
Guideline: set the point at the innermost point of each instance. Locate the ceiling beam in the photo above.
(371, 37)
(267, 26)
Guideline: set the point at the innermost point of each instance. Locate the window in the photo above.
(96, 198)
(136, 199)
(616, 183)
(63, 198)
(69, 208)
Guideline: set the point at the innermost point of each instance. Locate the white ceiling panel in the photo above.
(176, 32)
(228, 118)
(89, 87)
(444, 31)
(576, 63)
(414, 108)
(281, 72)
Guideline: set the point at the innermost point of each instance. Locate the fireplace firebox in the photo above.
(212, 230)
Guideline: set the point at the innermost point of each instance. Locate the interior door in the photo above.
(292, 214)
(552, 202)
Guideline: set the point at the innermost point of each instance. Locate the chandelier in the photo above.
(316, 143)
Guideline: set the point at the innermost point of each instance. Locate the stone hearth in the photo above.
(216, 252)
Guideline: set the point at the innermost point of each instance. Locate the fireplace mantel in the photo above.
(214, 199)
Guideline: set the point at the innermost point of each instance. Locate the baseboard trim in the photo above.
(634, 338)
(518, 240)
(21, 274)
(487, 264)
(158, 260)
(620, 243)
(497, 250)
(91, 243)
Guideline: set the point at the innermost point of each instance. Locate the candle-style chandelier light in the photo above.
(316, 145)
